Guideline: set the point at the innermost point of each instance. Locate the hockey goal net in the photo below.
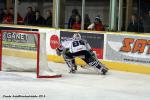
(25, 51)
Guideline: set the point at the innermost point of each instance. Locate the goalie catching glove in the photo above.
(59, 52)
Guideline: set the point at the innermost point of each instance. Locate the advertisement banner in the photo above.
(52, 40)
(96, 41)
(19, 40)
(128, 48)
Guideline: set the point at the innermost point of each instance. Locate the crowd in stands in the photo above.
(146, 22)
(35, 18)
(31, 18)
(137, 23)
(7, 16)
(75, 22)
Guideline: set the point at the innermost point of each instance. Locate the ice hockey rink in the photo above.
(84, 85)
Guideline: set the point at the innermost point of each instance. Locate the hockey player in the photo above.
(77, 47)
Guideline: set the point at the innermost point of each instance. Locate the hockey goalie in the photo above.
(78, 47)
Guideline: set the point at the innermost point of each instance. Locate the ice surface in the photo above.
(84, 85)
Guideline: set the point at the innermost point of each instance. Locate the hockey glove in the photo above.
(58, 52)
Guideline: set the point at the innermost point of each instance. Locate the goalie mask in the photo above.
(76, 36)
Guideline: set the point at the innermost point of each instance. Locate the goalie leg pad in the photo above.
(70, 61)
(99, 66)
(71, 66)
(93, 62)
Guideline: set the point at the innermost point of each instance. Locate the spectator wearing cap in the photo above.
(97, 25)
(77, 24)
(72, 18)
(30, 17)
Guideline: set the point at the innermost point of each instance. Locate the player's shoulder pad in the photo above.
(68, 39)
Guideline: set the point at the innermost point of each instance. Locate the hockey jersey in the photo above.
(75, 45)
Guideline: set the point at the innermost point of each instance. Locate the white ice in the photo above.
(84, 85)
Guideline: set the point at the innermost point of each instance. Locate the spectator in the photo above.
(5, 14)
(30, 17)
(9, 17)
(19, 19)
(135, 24)
(97, 25)
(72, 18)
(39, 20)
(87, 21)
(77, 24)
(49, 18)
(146, 22)
(2, 14)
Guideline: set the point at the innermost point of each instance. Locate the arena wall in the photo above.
(118, 50)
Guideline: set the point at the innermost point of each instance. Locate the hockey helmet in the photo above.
(77, 36)
(98, 19)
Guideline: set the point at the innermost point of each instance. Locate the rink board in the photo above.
(112, 61)
(112, 65)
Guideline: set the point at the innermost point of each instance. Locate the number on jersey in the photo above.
(77, 43)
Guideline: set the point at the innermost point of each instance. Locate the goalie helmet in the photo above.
(76, 36)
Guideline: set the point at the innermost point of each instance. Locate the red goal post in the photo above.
(38, 39)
